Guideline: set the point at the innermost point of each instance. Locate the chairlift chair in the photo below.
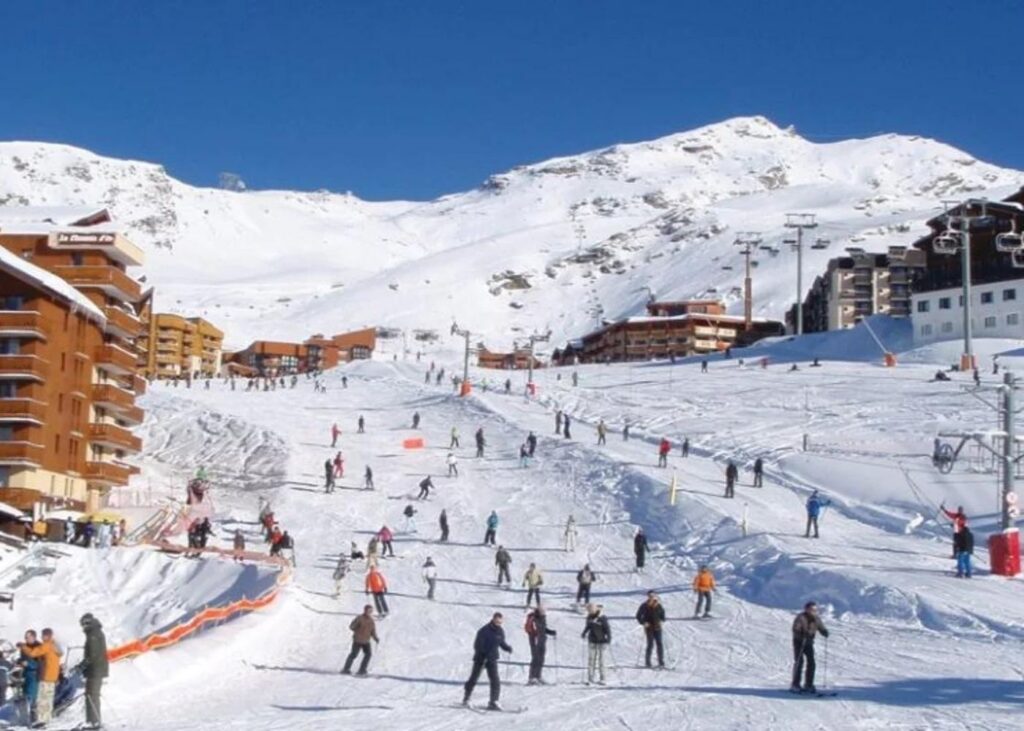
(1010, 241)
(1017, 258)
(947, 243)
(820, 243)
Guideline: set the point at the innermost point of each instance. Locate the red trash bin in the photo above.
(1004, 552)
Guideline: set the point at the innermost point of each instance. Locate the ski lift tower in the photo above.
(1004, 444)
(801, 222)
(749, 241)
(535, 339)
(464, 389)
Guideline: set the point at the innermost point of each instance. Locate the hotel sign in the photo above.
(85, 239)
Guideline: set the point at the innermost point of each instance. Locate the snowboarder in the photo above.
(454, 443)
(652, 616)
(481, 442)
(815, 504)
(731, 474)
(328, 476)
(361, 425)
(443, 522)
(806, 625)
(335, 433)
(703, 584)
(558, 422)
(425, 484)
(959, 519)
(537, 633)
(94, 668)
(339, 465)
(453, 465)
(340, 571)
(602, 432)
(584, 580)
(758, 472)
(531, 444)
(385, 536)
(570, 534)
(416, 420)
(363, 629)
(410, 521)
(685, 448)
(566, 423)
(664, 447)
(963, 545)
(490, 537)
(430, 576)
(368, 478)
(533, 580)
(598, 634)
(640, 549)
(503, 561)
(490, 639)
(376, 585)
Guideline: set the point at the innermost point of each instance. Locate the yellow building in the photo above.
(173, 346)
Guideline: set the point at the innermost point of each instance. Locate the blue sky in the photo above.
(419, 98)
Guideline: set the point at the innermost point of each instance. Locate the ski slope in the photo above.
(911, 647)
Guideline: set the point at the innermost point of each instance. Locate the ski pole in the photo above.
(824, 668)
(556, 659)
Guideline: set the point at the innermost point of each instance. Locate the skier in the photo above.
(361, 425)
(363, 629)
(584, 579)
(806, 625)
(663, 449)
(524, 456)
(963, 545)
(453, 465)
(640, 549)
(731, 474)
(533, 580)
(410, 521)
(492, 529)
(652, 616)
(703, 584)
(489, 640)
(344, 381)
(416, 420)
(570, 534)
(758, 472)
(376, 585)
(815, 504)
(537, 634)
(335, 433)
(508, 385)
(685, 448)
(430, 576)
(368, 478)
(575, 379)
(238, 545)
(602, 432)
(531, 443)
(340, 571)
(443, 522)
(566, 423)
(425, 484)
(558, 422)
(385, 536)
(339, 465)
(329, 476)
(480, 442)
(372, 549)
(598, 634)
(454, 443)
(94, 668)
(625, 431)
(503, 561)
(959, 519)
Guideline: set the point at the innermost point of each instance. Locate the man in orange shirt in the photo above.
(376, 585)
(48, 654)
(703, 584)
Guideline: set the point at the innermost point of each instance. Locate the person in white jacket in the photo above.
(430, 576)
(453, 465)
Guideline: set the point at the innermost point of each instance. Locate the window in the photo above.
(1013, 319)
(60, 403)
(7, 389)
(945, 303)
(926, 330)
(987, 298)
(56, 443)
(6, 433)
(13, 302)
(76, 259)
(5, 476)
(990, 322)
(923, 305)
(947, 327)
(63, 362)
(1009, 295)
(9, 346)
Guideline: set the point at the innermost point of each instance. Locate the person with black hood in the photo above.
(94, 668)
(806, 625)
(443, 522)
(640, 548)
(758, 472)
(329, 476)
(490, 639)
(652, 616)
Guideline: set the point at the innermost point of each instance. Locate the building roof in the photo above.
(39, 277)
(55, 216)
(71, 227)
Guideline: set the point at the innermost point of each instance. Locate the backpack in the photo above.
(531, 625)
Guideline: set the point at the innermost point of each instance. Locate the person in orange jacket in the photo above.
(703, 584)
(376, 585)
(49, 655)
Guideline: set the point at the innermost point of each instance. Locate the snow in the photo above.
(39, 277)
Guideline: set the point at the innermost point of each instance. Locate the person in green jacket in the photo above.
(94, 668)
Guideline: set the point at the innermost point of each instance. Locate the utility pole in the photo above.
(535, 339)
(800, 221)
(749, 241)
(464, 389)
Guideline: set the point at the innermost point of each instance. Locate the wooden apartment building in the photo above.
(172, 346)
(67, 356)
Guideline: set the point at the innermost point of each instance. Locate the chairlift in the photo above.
(820, 243)
(1017, 258)
(947, 243)
(727, 267)
(1010, 241)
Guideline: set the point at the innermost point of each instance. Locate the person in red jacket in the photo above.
(663, 449)
(376, 585)
(959, 519)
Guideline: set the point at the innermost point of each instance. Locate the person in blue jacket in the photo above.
(815, 504)
(490, 639)
(490, 537)
(29, 677)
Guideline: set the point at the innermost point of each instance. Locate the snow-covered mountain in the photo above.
(556, 245)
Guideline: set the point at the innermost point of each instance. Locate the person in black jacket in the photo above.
(584, 579)
(490, 639)
(758, 472)
(537, 633)
(806, 625)
(640, 548)
(481, 442)
(598, 634)
(443, 521)
(531, 444)
(652, 616)
(963, 547)
(731, 473)
(94, 668)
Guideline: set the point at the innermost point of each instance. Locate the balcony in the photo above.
(138, 385)
(115, 359)
(114, 437)
(14, 410)
(112, 396)
(24, 367)
(108, 473)
(22, 324)
(121, 323)
(21, 453)
(110, 279)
